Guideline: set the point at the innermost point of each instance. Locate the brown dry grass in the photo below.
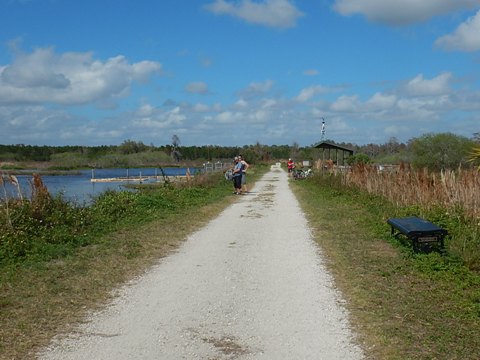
(42, 300)
(405, 186)
(401, 306)
(39, 302)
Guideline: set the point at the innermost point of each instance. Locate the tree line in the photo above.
(433, 151)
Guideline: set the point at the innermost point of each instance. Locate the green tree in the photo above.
(439, 151)
(132, 147)
(358, 159)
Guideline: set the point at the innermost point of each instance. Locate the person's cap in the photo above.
(289, 159)
(235, 158)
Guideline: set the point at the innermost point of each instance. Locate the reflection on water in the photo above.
(80, 189)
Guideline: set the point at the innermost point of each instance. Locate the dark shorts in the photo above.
(237, 182)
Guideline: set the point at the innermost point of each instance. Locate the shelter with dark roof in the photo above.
(340, 152)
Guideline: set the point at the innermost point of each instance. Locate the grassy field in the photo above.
(449, 198)
(54, 284)
(403, 305)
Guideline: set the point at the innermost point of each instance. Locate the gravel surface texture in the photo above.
(250, 285)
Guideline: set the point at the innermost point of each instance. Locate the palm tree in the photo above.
(475, 156)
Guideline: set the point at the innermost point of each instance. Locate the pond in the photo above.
(79, 187)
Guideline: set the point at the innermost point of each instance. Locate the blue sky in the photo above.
(224, 72)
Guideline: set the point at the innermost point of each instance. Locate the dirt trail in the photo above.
(249, 285)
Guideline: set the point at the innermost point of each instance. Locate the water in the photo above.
(79, 189)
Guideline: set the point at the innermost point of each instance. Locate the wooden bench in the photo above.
(418, 230)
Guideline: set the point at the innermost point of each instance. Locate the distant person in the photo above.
(290, 166)
(237, 176)
(245, 166)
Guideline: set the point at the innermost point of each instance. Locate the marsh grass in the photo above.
(451, 199)
(405, 186)
(75, 264)
(403, 305)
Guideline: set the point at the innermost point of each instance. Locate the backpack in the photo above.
(229, 174)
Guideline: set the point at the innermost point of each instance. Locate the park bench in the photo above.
(418, 230)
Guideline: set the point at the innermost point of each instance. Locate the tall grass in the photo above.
(449, 198)
(405, 186)
(405, 305)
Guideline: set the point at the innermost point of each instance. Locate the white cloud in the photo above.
(259, 116)
(381, 101)
(256, 89)
(200, 108)
(70, 78)
(415, 108)
(226, 117)
(240, 104)
(346, 104)
(400, 12)
(268, 103)
(419, 86)
(145, 110)
(465, 38)
(197, 88)
(158, 119)
(280, 14)
(308, 93)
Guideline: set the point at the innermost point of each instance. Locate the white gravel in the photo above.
(249, 285)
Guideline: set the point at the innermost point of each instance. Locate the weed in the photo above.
(404, 305)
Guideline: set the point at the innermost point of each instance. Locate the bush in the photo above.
(47, 227)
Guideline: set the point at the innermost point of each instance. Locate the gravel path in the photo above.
(249, 285)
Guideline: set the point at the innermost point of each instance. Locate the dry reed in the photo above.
(405, 186)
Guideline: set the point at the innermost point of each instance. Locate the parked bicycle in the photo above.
(302, 174)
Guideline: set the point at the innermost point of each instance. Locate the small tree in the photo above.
(358, 159)
(175, 152)
(439, 151)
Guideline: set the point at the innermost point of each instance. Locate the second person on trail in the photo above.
(237, 176)
(290, 166)
(245, 166)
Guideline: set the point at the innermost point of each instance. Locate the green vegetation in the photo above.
(440, 151)
(129, 154)
(475, 156)
(405, 305)
(432, 151)
(57, 260)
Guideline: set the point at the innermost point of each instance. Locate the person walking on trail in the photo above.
(245, 166)
(290, 166)
(237, 176)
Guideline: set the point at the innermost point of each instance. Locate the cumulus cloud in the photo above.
(381, 101)
(159, 119)
(240, 104)
(70, 78)
(308, 93)
(346, 103)
(198, 87)
(281, 14)
(256, 89)
(227, 117)
(419, 86)
(400, 12)
(465, 38)
(200, 108)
